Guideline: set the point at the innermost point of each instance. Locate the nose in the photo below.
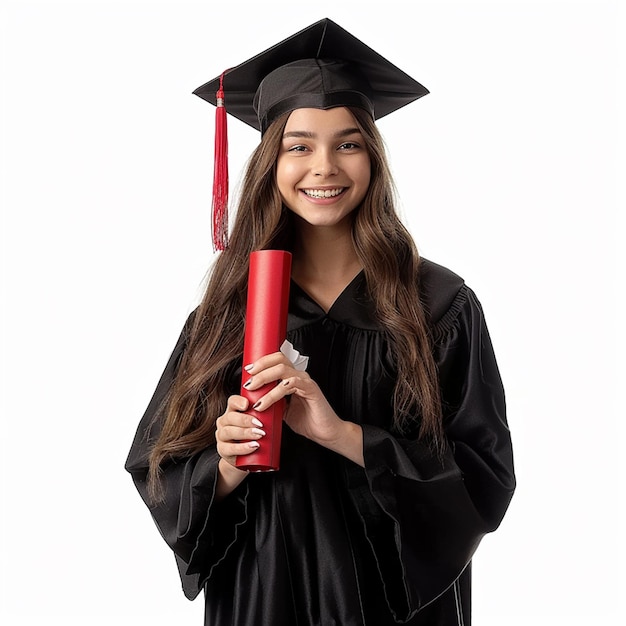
(325, 163)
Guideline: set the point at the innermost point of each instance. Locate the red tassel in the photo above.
(220, 175)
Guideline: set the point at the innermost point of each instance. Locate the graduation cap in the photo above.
(322, 66)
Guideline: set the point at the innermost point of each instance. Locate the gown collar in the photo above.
(352, 306)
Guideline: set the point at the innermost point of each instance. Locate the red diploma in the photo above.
(266, 327)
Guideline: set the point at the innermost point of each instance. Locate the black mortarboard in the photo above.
(322, 66)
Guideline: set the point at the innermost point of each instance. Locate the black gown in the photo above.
(323, 541)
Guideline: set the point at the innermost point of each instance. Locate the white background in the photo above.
(508, 172)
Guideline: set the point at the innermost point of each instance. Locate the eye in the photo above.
(349, 145)
(296, 148)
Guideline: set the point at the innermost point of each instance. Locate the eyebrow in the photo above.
(309, 135)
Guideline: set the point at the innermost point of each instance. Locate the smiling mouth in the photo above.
(323, 193)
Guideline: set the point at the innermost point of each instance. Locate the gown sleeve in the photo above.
(423, 514)
(199, 532)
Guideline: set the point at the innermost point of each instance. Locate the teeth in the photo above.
(322, 193)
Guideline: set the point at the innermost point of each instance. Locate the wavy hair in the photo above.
(214, 342)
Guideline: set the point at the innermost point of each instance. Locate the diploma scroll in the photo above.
(266, 327)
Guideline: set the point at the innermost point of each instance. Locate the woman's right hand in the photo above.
(236, 434)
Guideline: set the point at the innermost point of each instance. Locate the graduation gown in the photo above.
(323, 541)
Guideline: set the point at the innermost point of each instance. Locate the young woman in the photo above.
(396, 457)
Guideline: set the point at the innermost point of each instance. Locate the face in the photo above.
(323, 168)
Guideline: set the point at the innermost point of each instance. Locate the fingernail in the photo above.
(256, 405)
(247, 383)
(256, 422)
(258, 431)
(248, 367)
(253, 444)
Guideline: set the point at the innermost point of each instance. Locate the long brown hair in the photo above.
(215, 337)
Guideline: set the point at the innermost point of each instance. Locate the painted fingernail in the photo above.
(256, 405)
(253, 444)
(247, 383)
(258, 431)
(248, 367)
(257, 422)
(285, 382)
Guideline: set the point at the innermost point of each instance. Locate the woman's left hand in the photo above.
(308, 412)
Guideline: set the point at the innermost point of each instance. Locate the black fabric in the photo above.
(321, 64)
(324, 541)
(310, 84)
